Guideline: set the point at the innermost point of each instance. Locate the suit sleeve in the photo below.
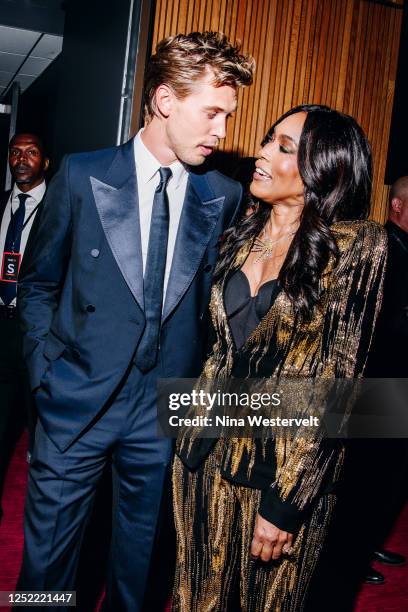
(307, 464)
(43, 272)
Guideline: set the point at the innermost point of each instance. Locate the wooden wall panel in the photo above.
(337, 52)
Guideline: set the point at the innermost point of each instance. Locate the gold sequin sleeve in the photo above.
(353, 299)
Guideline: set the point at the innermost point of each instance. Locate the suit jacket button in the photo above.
(95, 252)
(90, 308)
(208, 268)
(76, 353)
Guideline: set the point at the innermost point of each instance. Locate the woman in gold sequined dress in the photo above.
(296, 293)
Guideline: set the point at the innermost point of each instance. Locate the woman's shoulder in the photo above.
(362, 234)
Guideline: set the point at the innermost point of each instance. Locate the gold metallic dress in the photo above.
(219, 486)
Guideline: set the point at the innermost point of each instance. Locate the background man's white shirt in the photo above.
(36, 195)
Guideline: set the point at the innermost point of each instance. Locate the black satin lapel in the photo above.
(119, 214)
(197, 222)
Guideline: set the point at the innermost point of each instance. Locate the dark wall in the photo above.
(92, 66)
(40, 15)
(76, 103)
(397, 162)
(4, 135)
(37, 111)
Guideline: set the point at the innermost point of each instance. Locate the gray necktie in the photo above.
(146, 354)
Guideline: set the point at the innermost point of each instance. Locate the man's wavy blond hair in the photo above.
(180, 60)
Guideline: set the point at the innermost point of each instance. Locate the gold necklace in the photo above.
(265, 246)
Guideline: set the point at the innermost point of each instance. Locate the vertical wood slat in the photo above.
(337, 52)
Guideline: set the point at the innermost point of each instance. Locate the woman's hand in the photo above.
(269, 542)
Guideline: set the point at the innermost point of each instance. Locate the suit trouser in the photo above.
(16, 404)
(61, 489)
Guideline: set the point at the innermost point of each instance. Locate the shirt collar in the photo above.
(36, 194)
(148, 165)
(402, 235)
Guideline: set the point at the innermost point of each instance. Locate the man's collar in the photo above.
(178, 171)
(148, 165)
(398, 231)
(37, 193)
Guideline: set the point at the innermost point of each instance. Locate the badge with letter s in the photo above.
(10, 267)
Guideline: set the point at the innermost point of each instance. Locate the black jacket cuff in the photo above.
(282, 514)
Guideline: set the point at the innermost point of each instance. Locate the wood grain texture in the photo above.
(338, 52)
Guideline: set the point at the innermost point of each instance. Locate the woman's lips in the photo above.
(261, 175)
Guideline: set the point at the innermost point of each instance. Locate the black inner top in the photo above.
(244, 312)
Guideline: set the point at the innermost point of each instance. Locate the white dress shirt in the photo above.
(35, 197)
(148, 178)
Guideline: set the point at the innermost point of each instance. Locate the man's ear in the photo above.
(46, 164)
(164, 98)
(396, 205)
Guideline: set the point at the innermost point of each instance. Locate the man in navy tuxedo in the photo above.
(114, 296)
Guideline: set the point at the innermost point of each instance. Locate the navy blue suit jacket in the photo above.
(81, 289)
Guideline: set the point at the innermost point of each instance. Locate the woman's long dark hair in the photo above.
(335, 164)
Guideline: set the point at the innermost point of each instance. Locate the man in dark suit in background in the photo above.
(388, 355)
(388, 358)
(374, 481)
(115, 296)
(19, 210)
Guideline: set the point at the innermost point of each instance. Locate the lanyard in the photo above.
(29, 217)
(24, 224)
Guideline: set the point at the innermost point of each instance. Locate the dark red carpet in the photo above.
(393, 595)
(389, 597)
(11, 528)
